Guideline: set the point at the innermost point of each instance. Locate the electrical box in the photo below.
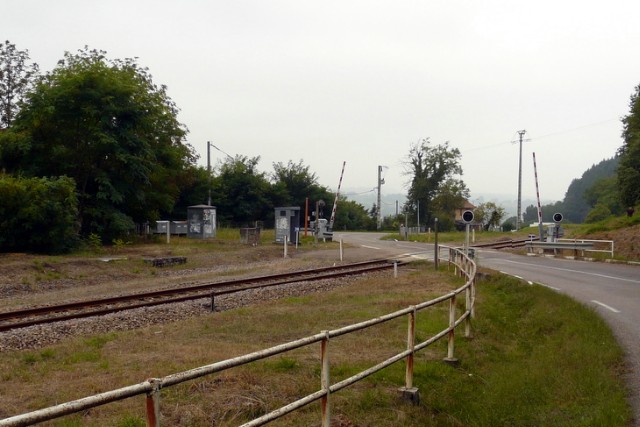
(179, 227)
(287, 222)
(161, 227)
(201, 222)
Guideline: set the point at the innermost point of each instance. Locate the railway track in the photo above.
(504, 244)
(56, 313)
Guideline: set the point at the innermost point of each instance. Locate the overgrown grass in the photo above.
(536, 358)
(611, 223)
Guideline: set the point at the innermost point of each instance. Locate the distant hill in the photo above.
(368, 199)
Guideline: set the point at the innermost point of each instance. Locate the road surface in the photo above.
(612, 289)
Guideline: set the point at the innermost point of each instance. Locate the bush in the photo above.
(508, 226)
(599, 213)
(445, 223)
(38, 214)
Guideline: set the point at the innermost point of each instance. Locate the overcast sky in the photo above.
(360, 81)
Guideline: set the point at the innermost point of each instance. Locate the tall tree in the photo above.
(574, 206)
(489, 214)
(604, 192)
(194, 190)
(432, 170)
(16, 77)
(37, 214)
(241, 193)
(450, 196)
(351, 215)
(296, 180)
(105, 124)
(629, 167)
(294, 183)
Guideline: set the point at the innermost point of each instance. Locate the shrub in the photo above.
(599, 213)
(38, 214)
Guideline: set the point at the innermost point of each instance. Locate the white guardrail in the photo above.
(152, 387)
(598, 243)
(575, 245)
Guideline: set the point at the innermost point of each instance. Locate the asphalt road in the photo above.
(613, 290)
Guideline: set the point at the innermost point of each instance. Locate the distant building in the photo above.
(468, 206)
(459, 223)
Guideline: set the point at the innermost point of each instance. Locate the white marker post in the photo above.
(285, 246)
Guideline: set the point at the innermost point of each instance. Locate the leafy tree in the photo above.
(296, 180)
(446, 223)
(194, 190)
(294, 183)
(351, 215)
(531, 213)
(37, 214)
(109, 127)
(604, 191)
(451, 194)
(433, 186)
(509, 224)
(489, 214)
(241, 193)
(598, 213)
(16, 77)
(574, 205)
(629, 167)
(392, 222)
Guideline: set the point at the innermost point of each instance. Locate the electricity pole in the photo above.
(519, 217)
(379, 208)
(209, 170)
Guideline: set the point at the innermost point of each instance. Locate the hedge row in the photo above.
(38, 214)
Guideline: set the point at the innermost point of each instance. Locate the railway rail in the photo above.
(505, 244)
(56, 313)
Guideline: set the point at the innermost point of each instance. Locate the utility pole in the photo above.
(209, 170)
(378, 208)
(519, 217)
(209, 145)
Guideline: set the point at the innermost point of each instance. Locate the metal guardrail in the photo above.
(595, 243)
(152, 387)
(582, 245)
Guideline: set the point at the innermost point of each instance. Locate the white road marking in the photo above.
(513, 275)
(369, 247)
(608, 307)
(576, 271)
(530, 282)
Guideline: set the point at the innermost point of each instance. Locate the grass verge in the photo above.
(537, 358)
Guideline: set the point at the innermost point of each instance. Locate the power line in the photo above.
(518, 218)
(364, 192)
(560, 132)
(576, 128)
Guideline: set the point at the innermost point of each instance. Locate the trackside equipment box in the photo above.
(287, 221)
(201, 220)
